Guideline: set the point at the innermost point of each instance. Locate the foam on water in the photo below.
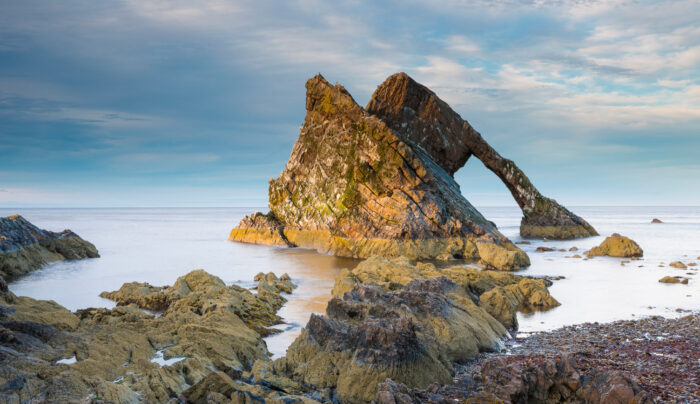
(159, 245)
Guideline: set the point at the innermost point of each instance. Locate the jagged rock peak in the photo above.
(354, 187)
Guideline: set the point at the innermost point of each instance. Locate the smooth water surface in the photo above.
(158, 245)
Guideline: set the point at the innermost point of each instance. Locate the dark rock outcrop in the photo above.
(524, 380)
(419, 116)
(25, 247)
(413, 335)
(500, 294)
(354, 187)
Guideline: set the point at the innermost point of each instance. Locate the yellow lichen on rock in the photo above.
(616, 245)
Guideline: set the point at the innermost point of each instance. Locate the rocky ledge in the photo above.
(363, 182)
(25, 247)
(127, 355)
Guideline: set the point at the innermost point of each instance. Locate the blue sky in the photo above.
(178, 103)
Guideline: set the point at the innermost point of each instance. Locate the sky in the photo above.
(179, 103)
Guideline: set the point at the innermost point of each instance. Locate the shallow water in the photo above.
(158, 245)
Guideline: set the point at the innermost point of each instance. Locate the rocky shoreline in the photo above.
(25, 247)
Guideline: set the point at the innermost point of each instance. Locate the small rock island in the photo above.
(25, 247)
(379, 181)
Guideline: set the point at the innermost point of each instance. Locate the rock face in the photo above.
(355, 187)
(24, 247)
(422, 118)
(500, 294)
(616, 246)
(413, 335)
(531, 380)
(125, 355)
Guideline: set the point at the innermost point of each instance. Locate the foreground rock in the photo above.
(523, 380)
(502, 295)
(413, 334)
(355, 187)
(125, 355)
(616, 245)
(422, 118)
(25, 247)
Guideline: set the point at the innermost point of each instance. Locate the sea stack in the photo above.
(421, 117)
(353, 187)
(25, 247)
(380, 182)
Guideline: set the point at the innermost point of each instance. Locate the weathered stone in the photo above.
(423, 119)
(674, 279)
(502, 295)
(655, 220)
(616, 246)
(354, 187)
(412, 334)
(24, 247)
(540, 380)
(205, 326)
(544, 249)
(677, 264)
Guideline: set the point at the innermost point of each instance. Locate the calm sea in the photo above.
(157, 245)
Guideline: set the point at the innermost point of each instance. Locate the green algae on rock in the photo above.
(616, 245)
(353, 187)
(418, 115)
(126, 355)
(25, 247)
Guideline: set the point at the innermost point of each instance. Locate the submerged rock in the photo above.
(674, 279)
(356, 187)
(616, 246)
(25, 247)
(422, 118)
(127, 355)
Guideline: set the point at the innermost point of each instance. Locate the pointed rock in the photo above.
(353, 187)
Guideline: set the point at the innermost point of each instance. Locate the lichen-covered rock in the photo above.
(25, 247)
(616, 245)
(674, 279)
(126, 355)
(354, 187)
(533, 380)
(413, 334)
(422, 118)
(501, 294)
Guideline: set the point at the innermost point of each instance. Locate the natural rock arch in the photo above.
(421, 117)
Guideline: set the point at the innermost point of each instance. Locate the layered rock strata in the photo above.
(500, 294)
(354, 187)
(421, 117)
(25, 247)
(126, 355)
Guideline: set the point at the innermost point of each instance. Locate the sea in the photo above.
(158, 245)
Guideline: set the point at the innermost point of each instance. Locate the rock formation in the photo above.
(126, 355)
(526, 380)
(500, 294)
(413, 335)
(24, 247)
(422, 118)
(616, 245)
(354, 187)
